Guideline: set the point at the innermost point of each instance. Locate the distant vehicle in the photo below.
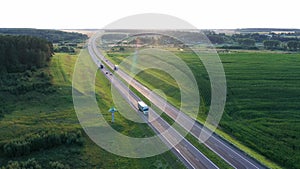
(116, 67)
(143, 107)
(106, 72)
(110, 73)
(101, 66)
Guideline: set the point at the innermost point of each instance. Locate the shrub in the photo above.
(40, 141)
(58, 165)
(29, 164)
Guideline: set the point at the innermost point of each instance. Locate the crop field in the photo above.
(262, 110)
(34, 115)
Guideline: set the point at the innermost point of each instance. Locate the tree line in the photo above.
(270, 41)
(19, 53)
(54, 36)
(254, 41)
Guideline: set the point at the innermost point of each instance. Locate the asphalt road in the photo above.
(221, 147)
(183, 149)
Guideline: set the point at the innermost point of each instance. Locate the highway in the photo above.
(232, 155)
(183, 149)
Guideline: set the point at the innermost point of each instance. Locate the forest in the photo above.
(19, 53)
(54, 36)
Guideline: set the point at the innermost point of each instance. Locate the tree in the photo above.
(246, 42)
(215, 39)
(271, 44)
(18, 53)
(293, 45)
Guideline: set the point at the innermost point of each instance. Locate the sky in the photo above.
(203, 14)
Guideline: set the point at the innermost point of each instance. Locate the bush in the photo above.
(29, 164)
(40, 141)
(231, 47)
(64, 49)
(22, 83)
(58, 165)
(2, 111)
(28, 73)
(33, 164)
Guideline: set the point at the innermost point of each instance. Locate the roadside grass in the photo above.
(34, 111)
(261, 115)
(200, 146)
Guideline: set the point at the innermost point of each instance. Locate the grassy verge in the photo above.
(201, 147)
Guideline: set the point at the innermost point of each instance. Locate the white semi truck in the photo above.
(143, 107)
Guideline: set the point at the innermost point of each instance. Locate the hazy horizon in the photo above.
(275, 28)
(92, 14)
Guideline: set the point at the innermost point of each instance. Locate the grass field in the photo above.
(262, 109)
(33, 111)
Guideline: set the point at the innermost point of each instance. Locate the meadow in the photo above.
(24, 116)
(262, 110)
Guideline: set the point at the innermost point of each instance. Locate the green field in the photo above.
(262, 108)
(34, 111)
